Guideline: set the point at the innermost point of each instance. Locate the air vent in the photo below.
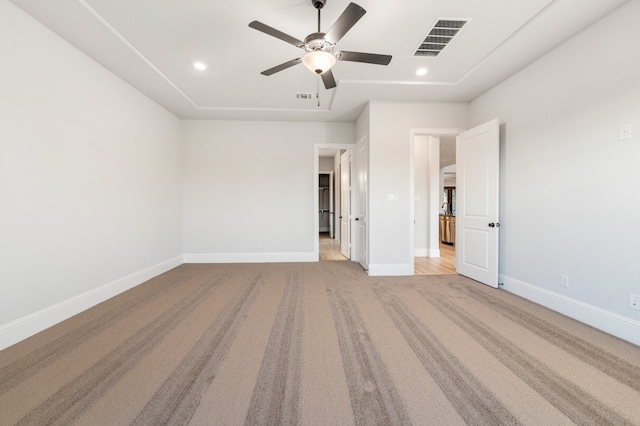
(304, 96)
(440, 36)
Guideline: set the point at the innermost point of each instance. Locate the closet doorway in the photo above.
(329, 245)
(326, 214)
(333, 202)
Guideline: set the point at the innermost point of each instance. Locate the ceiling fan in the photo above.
(319, 57)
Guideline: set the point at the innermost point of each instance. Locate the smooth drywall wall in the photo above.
(390, 227)
(248, 188)
(89, 181)
(325, 164)
(570, 187)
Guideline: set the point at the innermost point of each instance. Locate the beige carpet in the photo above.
(318, 344)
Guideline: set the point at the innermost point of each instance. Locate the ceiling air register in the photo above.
(440, 36)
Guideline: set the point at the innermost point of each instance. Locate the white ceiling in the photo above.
(152, 44)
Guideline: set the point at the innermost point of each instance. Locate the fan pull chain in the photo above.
(318, 90)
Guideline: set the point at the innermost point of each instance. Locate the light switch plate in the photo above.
(634, 301)
(625, 132)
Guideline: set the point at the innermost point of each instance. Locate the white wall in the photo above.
(389, 160)
(570, 189)
(249, 188)
(326, 164)
(89, 181)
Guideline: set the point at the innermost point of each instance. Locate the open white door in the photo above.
(477, 185)
(345, 205)
(361, 214)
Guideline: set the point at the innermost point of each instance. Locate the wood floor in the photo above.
(437, 265)
(330, 250)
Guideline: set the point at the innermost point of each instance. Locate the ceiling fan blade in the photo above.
(368, 58)
(328, 80)
(348, 19)
(275, 33)
(281, 67)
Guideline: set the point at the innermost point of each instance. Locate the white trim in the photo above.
(609, 322)
(22, 328)
(249, 257)
(433, 253)
(426, 253)
(390, 270)
(355, 197)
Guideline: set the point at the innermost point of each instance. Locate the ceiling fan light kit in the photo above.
(319, 61)
(319, 58)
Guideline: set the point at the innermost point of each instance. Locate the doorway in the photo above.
(328, 190)
(477, 183)
(433, 158)
(332, 217)
(326, 214)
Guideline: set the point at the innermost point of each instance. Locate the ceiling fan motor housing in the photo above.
(318, 4)
(316, 41)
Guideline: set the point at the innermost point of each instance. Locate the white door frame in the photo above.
(345, 205)
(361, 228)
(316, 168)
(433, 215)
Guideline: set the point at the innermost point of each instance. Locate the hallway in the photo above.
(329, 248)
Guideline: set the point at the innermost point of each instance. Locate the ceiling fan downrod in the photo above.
(318, 4)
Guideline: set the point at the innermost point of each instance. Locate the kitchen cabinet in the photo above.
(448, 229)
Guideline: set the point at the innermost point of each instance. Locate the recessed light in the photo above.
(199, 66)
(422, 71)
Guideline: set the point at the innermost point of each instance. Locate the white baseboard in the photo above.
(15, 331)
(609, 322)
(393, 270)
(434, 253)
(426, 252)
(249, 257)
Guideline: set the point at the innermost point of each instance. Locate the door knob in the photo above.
(357, 218)
(492, 225)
